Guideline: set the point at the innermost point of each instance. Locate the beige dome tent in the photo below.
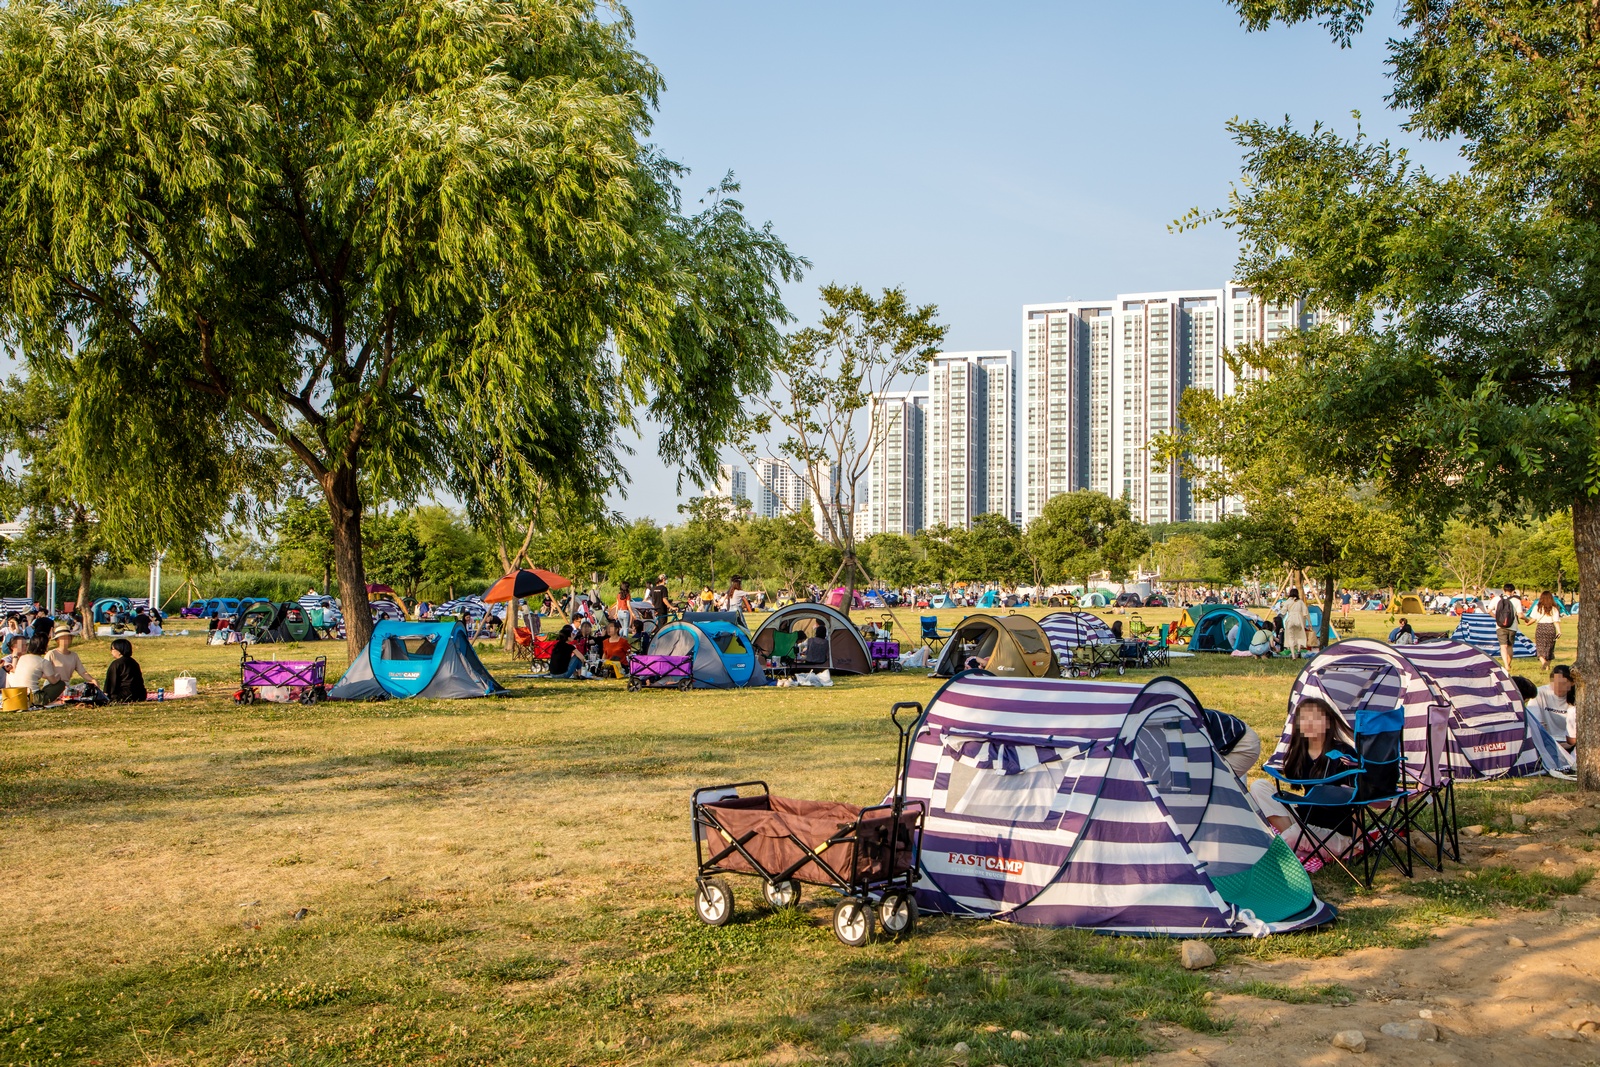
(1012, 646)
(847, 652)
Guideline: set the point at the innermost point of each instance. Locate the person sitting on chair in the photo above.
(814, 649)
(616, 649)
(1319, 747)
(124, 678)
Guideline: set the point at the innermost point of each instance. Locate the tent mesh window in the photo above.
(1008, 783)
(408, 647)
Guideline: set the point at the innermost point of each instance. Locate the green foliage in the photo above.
(1084, 532)
(994, 550)
(394, 553)
(305, 537)
(892, 558)
(453, 554)
(406, 243)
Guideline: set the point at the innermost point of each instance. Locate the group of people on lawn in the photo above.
(38, 657)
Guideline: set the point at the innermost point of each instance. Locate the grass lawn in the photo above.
(510, 881)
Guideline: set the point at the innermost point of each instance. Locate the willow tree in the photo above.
(1469, 381)
(388, 236)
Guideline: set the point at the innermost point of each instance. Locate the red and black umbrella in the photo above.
(524, 583)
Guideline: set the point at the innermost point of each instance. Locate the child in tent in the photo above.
(124, 678)
(1319, 747)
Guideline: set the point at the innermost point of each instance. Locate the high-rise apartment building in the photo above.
(1102, 381)
(776, 489)
(894, 494)
(970, 432)
(732, 484)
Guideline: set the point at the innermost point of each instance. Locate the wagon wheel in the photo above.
(784, 894)
(713, 901)
(308, 696)
(852, 921)
(319, 693)
(897, 914)
(687, 683)
(246, 695)
(1122, 668)
(633, 685)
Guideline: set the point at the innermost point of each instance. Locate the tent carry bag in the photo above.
(14, 698)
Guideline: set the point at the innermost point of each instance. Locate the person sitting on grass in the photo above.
(616, 649)
(124, 678)
(1319, 747)
(64, 663)
(564, 660)
(33, 672)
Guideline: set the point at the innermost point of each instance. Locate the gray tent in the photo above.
(847, 652)
(433, 660)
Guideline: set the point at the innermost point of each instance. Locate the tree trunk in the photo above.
(1586, 538)
(1327, 612)
(344, 510)
(85, 606)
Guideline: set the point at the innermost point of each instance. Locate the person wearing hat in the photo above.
(64, 662)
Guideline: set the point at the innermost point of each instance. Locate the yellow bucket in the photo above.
(14, 698)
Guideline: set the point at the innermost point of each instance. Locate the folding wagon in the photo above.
(868, 855)
(303, 680)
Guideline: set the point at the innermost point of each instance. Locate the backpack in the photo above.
(1505, 615)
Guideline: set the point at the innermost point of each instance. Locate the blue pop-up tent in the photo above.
(432, 660)
(1225, 629)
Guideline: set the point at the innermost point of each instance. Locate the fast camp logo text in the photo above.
(988, 863)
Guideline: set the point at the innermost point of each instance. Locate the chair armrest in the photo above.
(1310, 782)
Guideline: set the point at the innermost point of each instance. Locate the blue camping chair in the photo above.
(1368, 797)
(932, 636)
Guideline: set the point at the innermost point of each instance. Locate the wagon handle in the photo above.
(902, 754)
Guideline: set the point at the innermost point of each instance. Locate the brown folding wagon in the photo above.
(868, 855)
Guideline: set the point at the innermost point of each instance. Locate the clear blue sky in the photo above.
(985, 156)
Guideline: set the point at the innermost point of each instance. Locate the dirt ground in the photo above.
(1522, 988)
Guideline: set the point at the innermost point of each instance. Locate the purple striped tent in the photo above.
(1068, 630)
(1095, 805)
(1463, 715)
(1479, 631)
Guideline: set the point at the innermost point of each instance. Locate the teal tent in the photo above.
(432, 660)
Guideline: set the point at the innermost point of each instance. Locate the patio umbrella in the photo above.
(523, 583)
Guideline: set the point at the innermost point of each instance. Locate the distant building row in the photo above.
(1100, 382)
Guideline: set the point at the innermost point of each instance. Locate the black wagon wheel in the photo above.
(897, 914)
(782, 894)
(633, 684)
(246, 695)
(687, 683)
(713, 901)
(1122, 668)
(852, 921)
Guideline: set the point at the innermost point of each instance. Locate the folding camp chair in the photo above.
(1430, 812)
(932, 636)
(523, 648)
(784, 644)
(1371, 787)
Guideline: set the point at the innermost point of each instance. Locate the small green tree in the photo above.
(892, 558)
(639, 553)
(1083, 532)
(304, 539)
(862, 347)
(453, 554)
(394, 553)
(994, 550)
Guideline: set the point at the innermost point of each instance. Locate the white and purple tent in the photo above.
(1463, 714)
(1095, 805)
(1479, 631)
(1068, 630)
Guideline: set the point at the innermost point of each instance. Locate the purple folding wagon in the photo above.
(885, 655)
(305, 680)
(660, 671)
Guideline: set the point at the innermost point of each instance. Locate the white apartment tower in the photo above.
(894, 491)
(971, 433)
(1102, 380)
